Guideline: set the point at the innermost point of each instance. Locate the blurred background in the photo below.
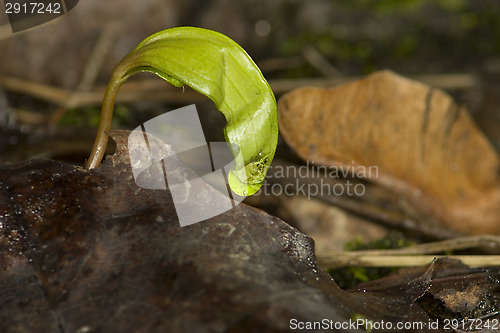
(289, 39)
(52, 77)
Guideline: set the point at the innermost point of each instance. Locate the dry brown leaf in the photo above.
(421, 142)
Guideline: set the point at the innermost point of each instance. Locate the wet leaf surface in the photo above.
(89, 251)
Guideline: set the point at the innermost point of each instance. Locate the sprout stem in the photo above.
(101, 139)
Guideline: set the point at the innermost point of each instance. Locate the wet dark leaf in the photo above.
(89, 251)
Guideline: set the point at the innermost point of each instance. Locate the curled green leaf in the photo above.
(220, 69)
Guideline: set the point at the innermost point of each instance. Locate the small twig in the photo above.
(132, 91)
(415, 255)
(90, 72)
(318, 61)
(337, 260)
(94, 64)
(443, 81)
(157, 90)
(37, 90)
(454, 244)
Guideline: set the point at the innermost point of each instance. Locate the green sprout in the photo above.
(217, 67)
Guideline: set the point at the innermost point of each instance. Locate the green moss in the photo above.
(348, 277)
(90, 117)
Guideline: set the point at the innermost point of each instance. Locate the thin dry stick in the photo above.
(37, 90)
(454, 244)
(338, 260)
(318, 61)
(148, 89)
(90, 72)
(413, 256)
(94, 64)
(151, 90)
(443, 81)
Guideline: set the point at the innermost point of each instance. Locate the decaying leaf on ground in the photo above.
(453, 291)
(90, 251)
(422, 143)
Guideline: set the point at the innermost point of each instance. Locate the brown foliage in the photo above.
(423, 144)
